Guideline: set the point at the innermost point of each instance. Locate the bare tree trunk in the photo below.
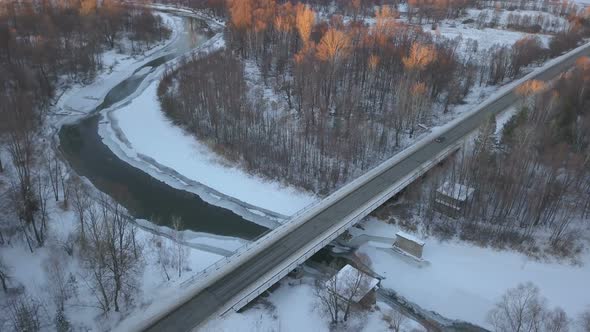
(3, 275)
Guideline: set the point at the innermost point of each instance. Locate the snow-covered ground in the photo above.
(81, 99)
(501, 36)
(28, 269)
(482, 36)
(295, 308)
(197, 239)
(471, 278)
(148, 133)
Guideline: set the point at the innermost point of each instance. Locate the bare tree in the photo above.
(329, 300)
(81, 201)
(520, 309)
(556, 321)
(395, 320)
(180, 250)
(111, 255)
(26, 313)
(22, 147)
(61, 285)
(337, 296)
(163, 255)
(584, 321)
(4, 276)
(304, 20)
(54, 170)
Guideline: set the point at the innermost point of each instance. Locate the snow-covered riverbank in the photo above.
(79, 99)
(144, 132)
(137, 131)
(471, 277)
(30, 272)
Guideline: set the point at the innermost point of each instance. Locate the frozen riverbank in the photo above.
(144, 134)
(137, 131)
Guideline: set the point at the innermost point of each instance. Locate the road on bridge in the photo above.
(216, 296)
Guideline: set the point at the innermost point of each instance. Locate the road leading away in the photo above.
(215, 297)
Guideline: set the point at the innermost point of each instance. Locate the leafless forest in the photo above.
(532, 179)
(335, 95)
(44, 47)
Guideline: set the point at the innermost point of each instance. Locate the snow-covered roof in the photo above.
(347, 276)
(410, 237)
(456, 191)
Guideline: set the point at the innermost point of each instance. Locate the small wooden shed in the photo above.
(451, 198)
(347, 278)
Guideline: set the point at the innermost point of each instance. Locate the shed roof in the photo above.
(456, 190)
(347, 275)
(410, 237)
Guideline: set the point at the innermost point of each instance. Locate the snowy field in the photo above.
(486, 37)
(500, 36)
(470, 277)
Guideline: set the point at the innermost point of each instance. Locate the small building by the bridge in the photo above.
(360, 283)
(409, 244)
(451, 198)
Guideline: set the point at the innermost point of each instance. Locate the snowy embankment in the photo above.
(471, 278)
(221, 245)
(137, 131)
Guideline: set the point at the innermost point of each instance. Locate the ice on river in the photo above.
(147, 132)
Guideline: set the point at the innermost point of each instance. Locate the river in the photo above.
(144, 196)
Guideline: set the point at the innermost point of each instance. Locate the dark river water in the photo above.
(144, 196)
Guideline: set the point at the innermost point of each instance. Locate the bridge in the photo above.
(233, 282)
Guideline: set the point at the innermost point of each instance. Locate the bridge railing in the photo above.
(210, 273)
(305, 214)
(331, 234)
